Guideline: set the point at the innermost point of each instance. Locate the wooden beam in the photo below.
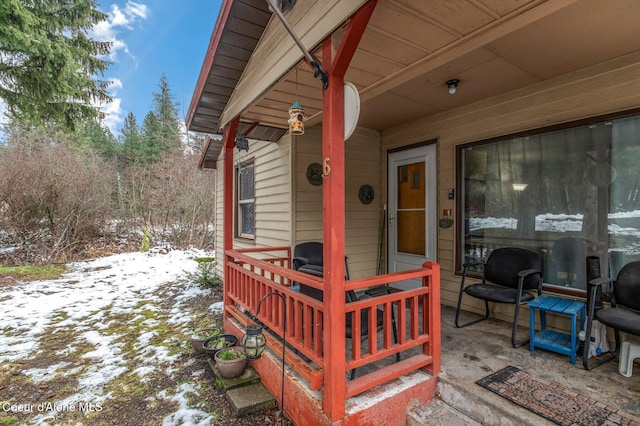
(351, 38)
(333, 215)
(227, 193)
(333, 212)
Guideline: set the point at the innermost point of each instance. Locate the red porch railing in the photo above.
(417, 314)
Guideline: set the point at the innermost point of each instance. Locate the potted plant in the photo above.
(198, 337)
(215, 343)
(231, 362)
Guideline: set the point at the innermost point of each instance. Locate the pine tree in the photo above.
(153, 142)
(166, 112)
(99, 138)
(49, 65)
(161, 126)
(131, 140)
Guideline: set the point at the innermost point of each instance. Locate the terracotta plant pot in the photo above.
(231, 367)
(213, 344)
(196, 343)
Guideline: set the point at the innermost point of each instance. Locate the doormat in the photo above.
(551, 400)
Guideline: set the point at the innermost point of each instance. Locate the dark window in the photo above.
(568, 194)
(246, 201)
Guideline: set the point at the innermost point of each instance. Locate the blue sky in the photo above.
(151, 38)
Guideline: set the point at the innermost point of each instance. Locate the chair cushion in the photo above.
(620, 319)
(496, 293)
(315, 270)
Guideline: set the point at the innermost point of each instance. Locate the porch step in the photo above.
(246, 393)
(251, 399)
(481, 406)
(439, 413)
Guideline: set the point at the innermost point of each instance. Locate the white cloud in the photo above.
(113, 110)
(137, 9)
(119, 19)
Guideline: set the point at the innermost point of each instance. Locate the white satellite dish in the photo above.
(351, 109)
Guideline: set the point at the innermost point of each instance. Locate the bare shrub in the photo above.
(55, 198)
(182, 201)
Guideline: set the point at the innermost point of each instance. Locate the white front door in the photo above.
(412, 218)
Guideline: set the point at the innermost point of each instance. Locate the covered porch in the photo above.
(520, 66)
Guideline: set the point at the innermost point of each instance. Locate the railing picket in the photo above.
(251, 279)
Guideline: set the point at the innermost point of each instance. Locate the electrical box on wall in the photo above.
(451, 194)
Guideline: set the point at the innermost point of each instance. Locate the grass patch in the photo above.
(33, 272)
(9, 420)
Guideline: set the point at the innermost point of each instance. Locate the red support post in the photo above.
(333, 204)
(228, 144)
(333, 213)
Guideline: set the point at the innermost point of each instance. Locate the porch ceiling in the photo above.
(410, 49)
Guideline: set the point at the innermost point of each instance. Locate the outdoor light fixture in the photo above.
(453, 85)
(519, 186)
(242, 143)
(296, 119)
(254, 343)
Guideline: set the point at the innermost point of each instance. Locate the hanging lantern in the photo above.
(296, 118)
(254, 342)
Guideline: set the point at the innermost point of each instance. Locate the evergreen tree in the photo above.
(166, 112)
(160, 130)
(153, 143)
(131, 140)
(48, 64)
(98, 138)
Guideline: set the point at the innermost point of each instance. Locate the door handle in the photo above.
(391, 219)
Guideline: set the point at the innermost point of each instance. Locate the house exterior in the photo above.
(537, 147)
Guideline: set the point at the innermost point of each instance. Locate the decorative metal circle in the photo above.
(314, 174)
(366, 194)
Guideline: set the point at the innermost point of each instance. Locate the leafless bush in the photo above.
(182, 201)
(55, 198)
(59, 201)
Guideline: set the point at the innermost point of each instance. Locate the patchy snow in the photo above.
(77, 302)
(217, 307)
(185, 415)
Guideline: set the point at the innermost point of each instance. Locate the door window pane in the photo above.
(411, 209)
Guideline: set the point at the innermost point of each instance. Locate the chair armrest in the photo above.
(380, 290)
(526, 272)
(464, 270)
(599, 281)
(522, 275)
(299, 261)
(474, 263)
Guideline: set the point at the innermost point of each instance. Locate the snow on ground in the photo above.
(115, 284)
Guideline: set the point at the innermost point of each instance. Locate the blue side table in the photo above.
(549, 339)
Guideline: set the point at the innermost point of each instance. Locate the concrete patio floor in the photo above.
(471, 353)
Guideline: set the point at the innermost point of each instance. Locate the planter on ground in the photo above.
(215, 343)
(231, 362)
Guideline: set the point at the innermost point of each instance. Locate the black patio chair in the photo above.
(307, 258)
(508, 273)
(624, 313)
